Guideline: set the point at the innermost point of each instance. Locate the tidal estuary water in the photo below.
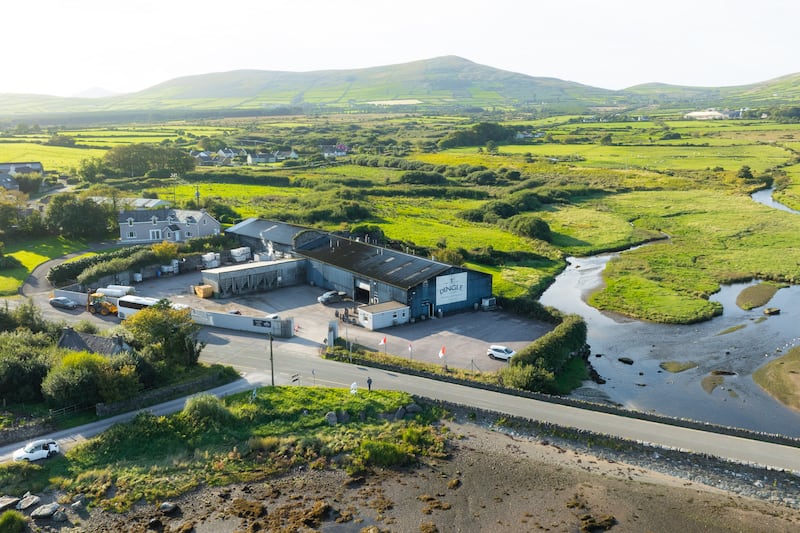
(644, 386)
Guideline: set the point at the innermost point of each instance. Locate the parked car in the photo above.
(38, 449)
(331, 297)
(502, 353)
(273, 316)
(63, 302)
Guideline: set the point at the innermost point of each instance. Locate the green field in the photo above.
(594, 196)
(31, 254)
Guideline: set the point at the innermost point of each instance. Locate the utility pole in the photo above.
(271, 362)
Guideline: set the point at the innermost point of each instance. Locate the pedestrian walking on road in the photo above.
(369, 384)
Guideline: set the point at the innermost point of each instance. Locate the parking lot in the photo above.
(465, 336)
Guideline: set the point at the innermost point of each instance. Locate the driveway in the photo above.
(464, 336)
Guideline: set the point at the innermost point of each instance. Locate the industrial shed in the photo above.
(383, 315)
(254, 277)
(374, 275)
(274, 239)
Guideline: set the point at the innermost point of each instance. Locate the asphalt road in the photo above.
(296, 361)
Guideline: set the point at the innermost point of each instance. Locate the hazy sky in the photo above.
(64, 47)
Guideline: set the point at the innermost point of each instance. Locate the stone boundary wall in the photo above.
(25, 433)
(157, 396)
(590, 406)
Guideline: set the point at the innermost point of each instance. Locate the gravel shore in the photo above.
(495, 478)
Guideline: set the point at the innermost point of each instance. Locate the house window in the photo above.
(155, 220)
(130, 222)
(188, 234)
(155, 234)
(169, 235)
(205, 221)
(131, 234)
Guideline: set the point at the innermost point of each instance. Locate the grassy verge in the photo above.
(781, 378)
(31, 254)
(240, 438)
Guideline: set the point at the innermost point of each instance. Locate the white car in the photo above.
(38, 449)
(503, 353)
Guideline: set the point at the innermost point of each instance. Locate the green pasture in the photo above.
(714, 238)
(757, 157)
(52, 158)
(790, 196)
(31, 254)
(586, 229)
(427, 221)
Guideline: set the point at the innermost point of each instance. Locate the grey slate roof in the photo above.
(146, 215)
(374, 262)
(266, 230)
(79, 342)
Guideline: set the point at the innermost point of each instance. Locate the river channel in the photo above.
(715, 346)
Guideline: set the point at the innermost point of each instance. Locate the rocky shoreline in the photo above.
(502, 473)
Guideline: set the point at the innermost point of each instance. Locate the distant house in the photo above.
(173, 225)
(708, 114)
(229, 153)
(12, 169)
(260, 158)
(7, 182)
(282, 155)
(86, 342)
(333, 150)
(203, 159)
(520, 135)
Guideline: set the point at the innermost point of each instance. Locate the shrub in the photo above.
(74, 380)
(423, 178)
(207, 411)
(530, 226)
(13, 522)
(528, 377)
(381, 453)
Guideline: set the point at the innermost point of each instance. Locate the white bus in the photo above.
(130, 305)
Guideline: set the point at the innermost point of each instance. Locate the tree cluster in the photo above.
(136, 160)
(33, 369)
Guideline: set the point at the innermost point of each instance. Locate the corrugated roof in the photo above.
(266, 230)
(374, 262)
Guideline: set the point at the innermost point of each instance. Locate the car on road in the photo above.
(38, 449)
(331, 297)
(63, 302)
(503, 353)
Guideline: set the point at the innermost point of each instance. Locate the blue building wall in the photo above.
(422, 299)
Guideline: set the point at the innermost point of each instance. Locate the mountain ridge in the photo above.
(438, 83)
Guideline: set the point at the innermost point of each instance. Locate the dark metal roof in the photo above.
(373, 262)
(80, 342)
(266, 230)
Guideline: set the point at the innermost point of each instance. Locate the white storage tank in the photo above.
(127, 288)
(240, 255)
